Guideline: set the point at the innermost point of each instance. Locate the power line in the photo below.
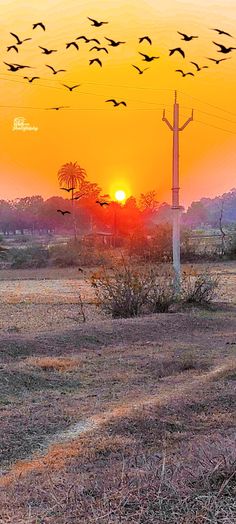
(207, 103)
(216, 127)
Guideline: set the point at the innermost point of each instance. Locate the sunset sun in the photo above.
(120, 195)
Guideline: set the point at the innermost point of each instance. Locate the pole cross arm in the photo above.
(167, 121)
(187, 122)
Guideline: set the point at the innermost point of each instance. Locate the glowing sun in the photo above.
(120, 195)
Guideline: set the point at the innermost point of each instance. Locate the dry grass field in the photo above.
(115, 421)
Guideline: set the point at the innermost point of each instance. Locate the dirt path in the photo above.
(54, 448)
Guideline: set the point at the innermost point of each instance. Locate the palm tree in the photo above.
(71, 175)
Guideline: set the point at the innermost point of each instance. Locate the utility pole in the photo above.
(175, 128)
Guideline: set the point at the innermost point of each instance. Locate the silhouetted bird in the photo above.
(183, 74)
(177, 49)
(54, 70)
(102, 203)
(77, 197)
(148, 58)
(19, 42)
(57, 108)
(99, 49)
(12, 47)
(63, 212)
(87, 40)
(31, 79)
(186, 37)
(141, 71)
(220, 32)
(22, 66)
(72, 87)
(224, 49)
(116, 104)
(68, 189)
(95, 22)
(16, 67)
(95, 60)
(12, 67)
(47, 51)
(113, 43)
(72, 43)
(39, 24)
(142, 38)
(198, 67)
(219, 59)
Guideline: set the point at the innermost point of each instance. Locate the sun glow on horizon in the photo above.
(120, 195)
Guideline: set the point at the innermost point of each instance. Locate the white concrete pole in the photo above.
(175, 191)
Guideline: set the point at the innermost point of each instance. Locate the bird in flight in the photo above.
(141, 71)
(87, 40)
(116, 104)
(12, 47)
(47, 51)
(224, 49)
(77, 197)
(147, 38)
(68, 189)
(54, 71)
(220, 32)
(178, 49)
(39, 24)
(96, 23)
(98, 49)
(19, 42)
(63, 212)
(72, 87)
(198, 67)
(148, 58)
(12, 67)
(102, 203)
(183, 74)
(57, 108)
(113, 43)
(72, 43)
(217, 61)
(95, 60)
(16, 67)
(31, 79)
(186, 37)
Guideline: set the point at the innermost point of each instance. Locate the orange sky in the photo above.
(128, 148)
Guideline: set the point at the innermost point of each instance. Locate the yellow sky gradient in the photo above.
(128, 148)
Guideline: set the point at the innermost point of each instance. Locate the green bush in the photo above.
(75, 253)
(29, 257)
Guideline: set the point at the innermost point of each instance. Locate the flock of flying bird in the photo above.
(102, 203)
(14, 67)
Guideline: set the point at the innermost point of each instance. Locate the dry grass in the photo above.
(53, 364)
(158, 397)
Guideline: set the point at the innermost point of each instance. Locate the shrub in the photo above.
(156, 247)
(127, 291)
(75, 253)
(199, 289)
(29, 257)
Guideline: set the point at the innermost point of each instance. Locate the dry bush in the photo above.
(199, 288)
(128, 291)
